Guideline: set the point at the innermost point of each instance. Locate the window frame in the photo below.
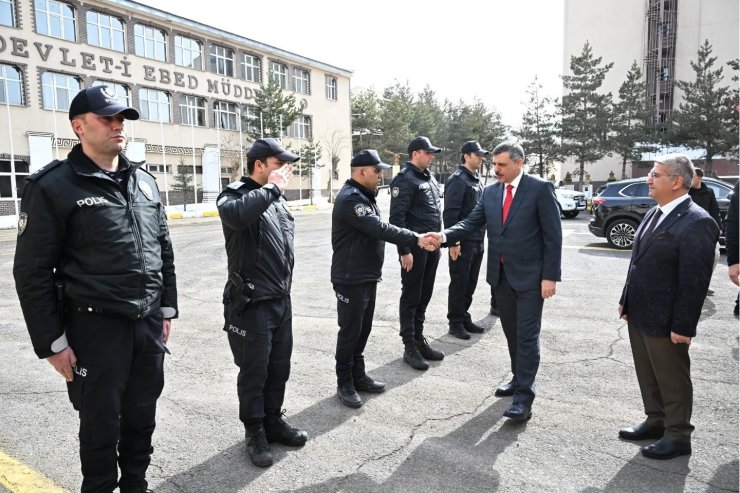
(301, 128)
(13, 16)
(332, 89)
(186, 106)
(99, 28)
(54, 87)
(5, 82)
(180, 50)
(59, 17)
(125, 98)
(219, 113)
(280, 76)
(144, 98)
(214, 60)
(150, 43)
(252, 68)
(300, 80)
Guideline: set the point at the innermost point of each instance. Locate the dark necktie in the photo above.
(507, 202)
(651, 226)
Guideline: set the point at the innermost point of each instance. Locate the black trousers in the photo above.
(262, 344)
(417, 287)
(520, 313)
(355, 311)
(463, 281)
(118, 378)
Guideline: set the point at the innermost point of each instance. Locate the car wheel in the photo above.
(621, 234)
(570, 214)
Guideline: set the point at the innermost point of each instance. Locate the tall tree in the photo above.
(538, 132)
(183, 183)
(310, 153)
(734, 104)
(585, 114)
(705, 119)
(396, 111)
(276, 108)
(632, 131)
(366, 121)
(336, 143)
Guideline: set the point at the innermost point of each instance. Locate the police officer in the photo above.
(95, 276)
(358, 237)
(462, 191)
(259, 232)
(415, 204)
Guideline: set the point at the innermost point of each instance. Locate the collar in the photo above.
(83, 165)
(424, 174)
(668, 208)
(250, 182)
(367, 193)
(475, 176)
(516, 181)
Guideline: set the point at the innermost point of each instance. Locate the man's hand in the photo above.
(63, 362)
(407, 262)
(430, 241)
(166, 327)
(548, 288)
(454, 252)
(679, 339)
(733, 272)
(622, 315)
(281, 176)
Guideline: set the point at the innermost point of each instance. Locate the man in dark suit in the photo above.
(667, 281)
(524, 249)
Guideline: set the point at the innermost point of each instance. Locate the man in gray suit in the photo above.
(524, 249)
(667, 281)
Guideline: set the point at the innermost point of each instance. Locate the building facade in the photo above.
(194, 87)
(662, 36)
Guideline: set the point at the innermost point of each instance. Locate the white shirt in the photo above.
(668, 208)
(515, 184)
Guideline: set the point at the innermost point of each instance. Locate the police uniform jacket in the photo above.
(462, 191)
(358, 236)
(415, 202)
(111, 248)
(259, 233)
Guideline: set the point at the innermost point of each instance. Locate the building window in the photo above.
(301, 81)
(331, 88)
(105, 31)
(252, 68)
(251, 119)
(280, 73)
(188, 52)
(155, 105)
(150, 42)
(222, 61)
(225, 115)
(159, 168)
(7, 13)
(300, 128)
(58, 90)
(6, 178)
(193, 111)
(123, 95)
(11, 84)
(55, 19)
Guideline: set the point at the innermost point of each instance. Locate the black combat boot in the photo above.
(427, 352)
(277, 430)
(413, 358)
(457, 330)
(472, 327)
(257, 446)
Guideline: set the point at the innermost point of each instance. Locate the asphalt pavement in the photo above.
(435, 431)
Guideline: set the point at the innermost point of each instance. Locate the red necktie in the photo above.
(507, 201)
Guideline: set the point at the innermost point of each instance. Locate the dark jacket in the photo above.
(415, 202)
(259, 233)
(462, 191)
(732, 224)
(669, 272)
(110, 248)
(704, 198)
(531, 239)
(358, 236)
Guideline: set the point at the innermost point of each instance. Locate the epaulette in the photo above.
(235, 185)
(354, 191)
(457, 172)
(45, 169)
(142, 168)
(403, 171)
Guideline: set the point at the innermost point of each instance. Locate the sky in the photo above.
(463, 49)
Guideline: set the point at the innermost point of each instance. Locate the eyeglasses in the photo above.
(655, 175)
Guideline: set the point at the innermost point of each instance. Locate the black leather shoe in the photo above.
(473, 328)
(666, 448)
(427, 352)
(459, 331)
(494, 311)
(518, 412)
(349, 396)
(258, 448)
(505, 390)
(641, 431)
(277, 430)
(367, 384)
(412, 357)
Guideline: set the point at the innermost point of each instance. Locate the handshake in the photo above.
(430, 241)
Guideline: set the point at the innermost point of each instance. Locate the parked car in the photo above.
(570, 202)
(620, 206)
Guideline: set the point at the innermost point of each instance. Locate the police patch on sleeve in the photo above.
(22, 222)
(360, 210)
(146, 190)
(395, 192)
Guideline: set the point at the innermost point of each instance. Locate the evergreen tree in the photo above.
(276, 108)
(366, 120)
(310, 153)
(632, 131)
(585, 114)
(538, 132)
(396, 114)
(706, 119)
(183, 183)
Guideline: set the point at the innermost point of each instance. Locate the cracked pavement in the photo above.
(435, 431)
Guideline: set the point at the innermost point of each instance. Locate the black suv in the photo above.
(619, 207)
